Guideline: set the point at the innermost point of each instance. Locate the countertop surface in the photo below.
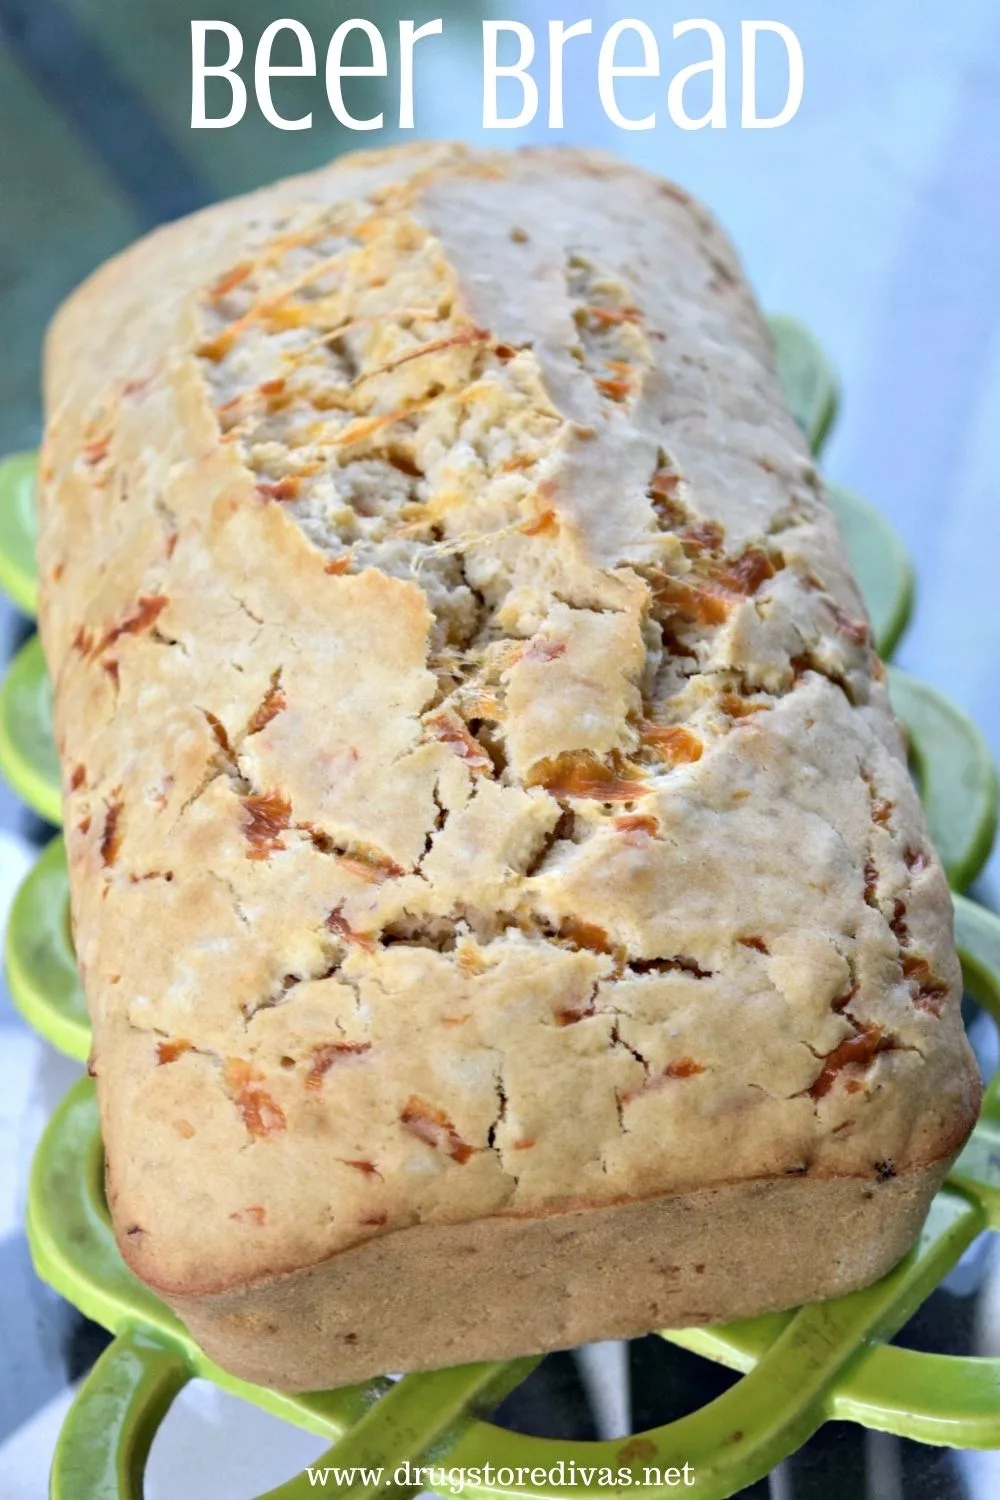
(874, 218)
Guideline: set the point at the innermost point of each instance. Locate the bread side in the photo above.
(481, 794)
(444, 1294)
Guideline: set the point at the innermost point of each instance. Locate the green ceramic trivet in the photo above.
(807, 378)
(42, 975)
(28, 756)
(955, 773)
(17, 530)
(879, 563)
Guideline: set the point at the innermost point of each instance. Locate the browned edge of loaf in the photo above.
(437, 1295)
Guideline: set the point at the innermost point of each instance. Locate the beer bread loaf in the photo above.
(503, 907)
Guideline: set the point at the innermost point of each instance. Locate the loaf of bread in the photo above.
(505, 914)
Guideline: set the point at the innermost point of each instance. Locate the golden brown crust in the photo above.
(479, 795)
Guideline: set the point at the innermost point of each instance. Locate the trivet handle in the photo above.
(108, 1432)
(807, 378)
(421, 1414)
(18, 528)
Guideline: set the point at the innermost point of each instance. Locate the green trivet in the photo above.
(27, 750)
(18, 576)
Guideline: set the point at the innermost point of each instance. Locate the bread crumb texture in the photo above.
(481, 793)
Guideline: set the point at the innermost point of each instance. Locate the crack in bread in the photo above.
(482, 799)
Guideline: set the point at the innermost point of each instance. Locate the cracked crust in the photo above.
(484, 812)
